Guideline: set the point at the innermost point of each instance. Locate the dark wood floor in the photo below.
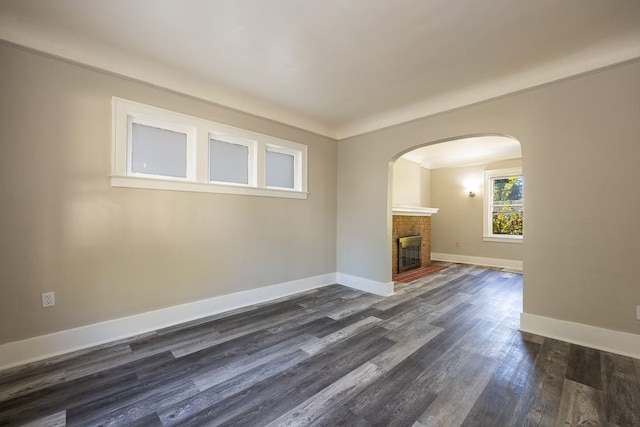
(443, 351)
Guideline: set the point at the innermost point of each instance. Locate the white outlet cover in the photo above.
(48, 299)
(638, 312)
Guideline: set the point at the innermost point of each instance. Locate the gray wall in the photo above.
(580, 151)
(425, 187)
(460, 217)
(113, 252)
(411, 184)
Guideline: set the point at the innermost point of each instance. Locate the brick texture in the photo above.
(404, 226)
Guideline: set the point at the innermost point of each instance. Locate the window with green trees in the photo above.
(505, 207)
(506, 212)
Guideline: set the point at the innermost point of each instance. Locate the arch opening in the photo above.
(446, 182)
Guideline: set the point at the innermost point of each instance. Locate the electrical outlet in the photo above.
(457, 244)
(48, 299)
(638, 312)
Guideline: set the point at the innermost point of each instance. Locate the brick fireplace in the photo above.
(412, 221)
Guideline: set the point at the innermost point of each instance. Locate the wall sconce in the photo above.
(471, 184)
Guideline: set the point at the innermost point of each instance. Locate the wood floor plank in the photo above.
(423, 312)
(444, 366)
(353, 307)
(399, 308)
(315, 346)
(458, 314)
(139, 411)
(207, 377)
(339, 416)
(585, 366)
(176, 341)
(621, 388)
(420, 286)
(405, 346)
(347, 321)
(73, 359)
(398, 397)
(361, 348)
(209, 358)
(200, 402)
(444, 350)
(540, 400)
(396, 299)
(308, 316)
(251, 318)
(30, 384)
(269, 399)
(328, 294)
(78, 392)
(312, 327)
(443, 344)
(451, 303)
(58, 419)
(494, 348)
(335, 394)
(505, 386)
(463, 387)
(130, 404)
(580, 405)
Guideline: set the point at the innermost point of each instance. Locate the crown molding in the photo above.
(590, 60)
(122, 65)
(119, 63)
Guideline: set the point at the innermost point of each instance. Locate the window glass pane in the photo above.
(156, 151)
(507, 214)
(507, 222)
(280, 170)
(228, 162)
(508, 190)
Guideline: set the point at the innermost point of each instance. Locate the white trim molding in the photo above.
(510, 264)
(414, 211)
(603, 339)
(367, 285)
(45, 346)
(200, 187)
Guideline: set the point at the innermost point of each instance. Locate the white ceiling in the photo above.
(335, 67)
(465, 152)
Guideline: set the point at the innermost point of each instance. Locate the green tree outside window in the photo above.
(508, 197)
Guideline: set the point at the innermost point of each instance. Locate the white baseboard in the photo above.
(45, 346)
(489, 262)
(367, 285)
(609, 340)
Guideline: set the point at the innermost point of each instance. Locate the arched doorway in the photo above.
(452, 178)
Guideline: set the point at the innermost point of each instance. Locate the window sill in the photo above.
(202, 187)
(503, 239)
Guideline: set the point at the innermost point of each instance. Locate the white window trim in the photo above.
(251, 160)
(199, 131)
(297, 166)
(487, 231)
(190, 131)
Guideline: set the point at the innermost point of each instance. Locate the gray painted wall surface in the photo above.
(460, 217)
(580, 151)
(114, 252)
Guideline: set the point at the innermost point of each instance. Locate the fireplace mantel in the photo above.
(414, 211)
